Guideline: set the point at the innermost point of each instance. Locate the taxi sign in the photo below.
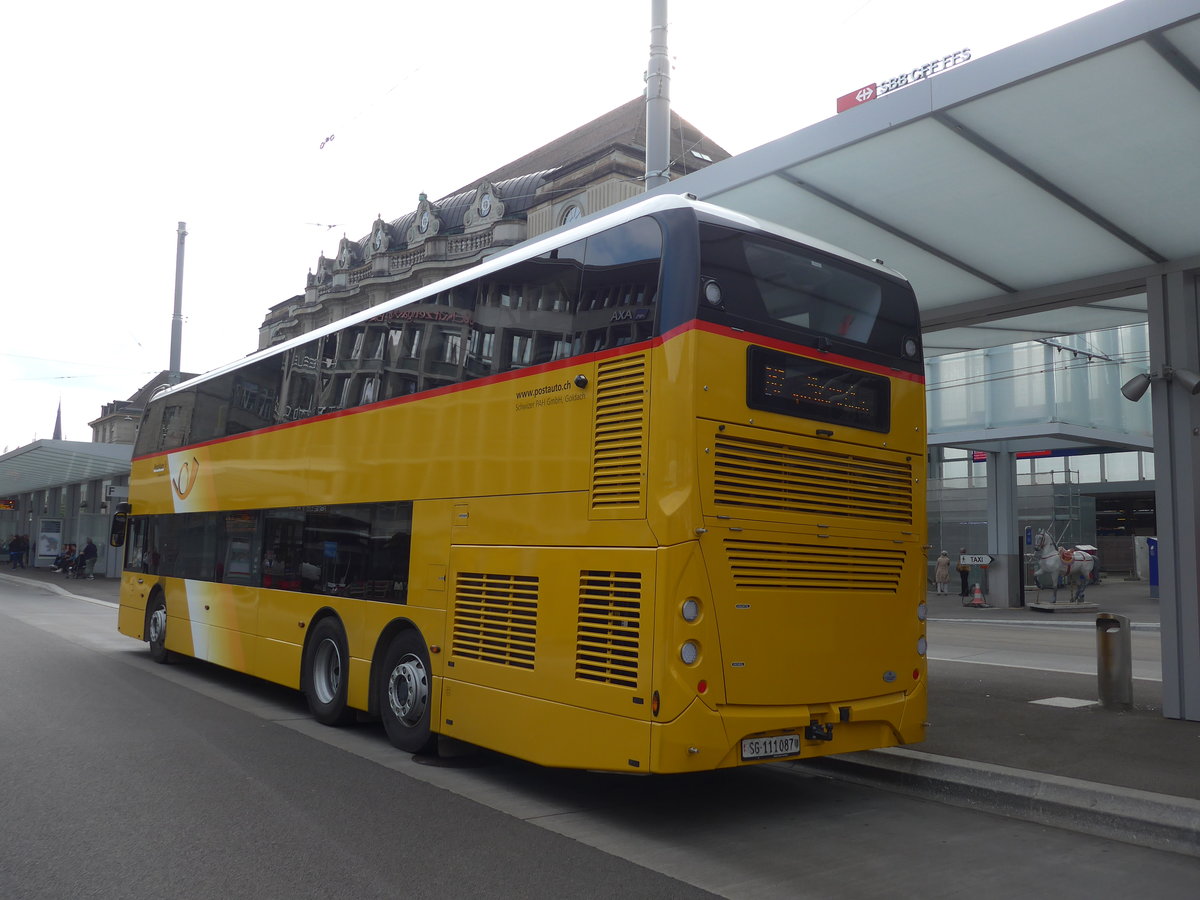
(976, 559)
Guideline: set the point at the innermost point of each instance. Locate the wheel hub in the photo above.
(327, 671)
(408, 690)
(158, 624)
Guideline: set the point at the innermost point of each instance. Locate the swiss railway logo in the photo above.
(854, 98)
(186, 479)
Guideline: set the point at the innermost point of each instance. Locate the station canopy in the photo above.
(46, 464)
(1026, 194)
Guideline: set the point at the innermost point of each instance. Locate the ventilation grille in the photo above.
(495, 618)
(784, 478)
(790, 566)
(619, 444)
(608, 629)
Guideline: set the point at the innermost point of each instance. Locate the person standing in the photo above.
(963, 571)
(941, 572)
(88, 559)
(16, 553)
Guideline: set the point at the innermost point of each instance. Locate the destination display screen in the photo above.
(812, 389)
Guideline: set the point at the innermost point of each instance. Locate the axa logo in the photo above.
(186, 479)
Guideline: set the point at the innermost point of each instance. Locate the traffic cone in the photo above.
(977, 599)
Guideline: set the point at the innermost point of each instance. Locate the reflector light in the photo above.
(702, 687)
(689, 652)
(922, 611)
(922, 645)
(916, 674)
(691, 610)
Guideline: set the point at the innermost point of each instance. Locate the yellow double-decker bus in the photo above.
(644, 496)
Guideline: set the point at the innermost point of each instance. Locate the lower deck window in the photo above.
(356, 550)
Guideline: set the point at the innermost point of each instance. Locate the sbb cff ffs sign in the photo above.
(920, 73)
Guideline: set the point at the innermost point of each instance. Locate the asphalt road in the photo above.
(124, 778)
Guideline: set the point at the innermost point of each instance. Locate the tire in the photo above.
(326, 673)
(404, 694)
(156, 628)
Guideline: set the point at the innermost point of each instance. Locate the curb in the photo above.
(55, 589)
(1146, 819)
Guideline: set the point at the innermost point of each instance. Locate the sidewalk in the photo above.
(98, 588)
(1132, 776)
(1125, 775)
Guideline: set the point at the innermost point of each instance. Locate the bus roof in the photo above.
(590, 225)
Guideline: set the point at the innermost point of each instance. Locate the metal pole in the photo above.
(658, 100)
(177, 318)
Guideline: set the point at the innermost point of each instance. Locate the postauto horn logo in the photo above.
(186, 479)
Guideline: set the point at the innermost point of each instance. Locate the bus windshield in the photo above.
(766, 282)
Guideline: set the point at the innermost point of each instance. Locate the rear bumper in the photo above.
(703, 738)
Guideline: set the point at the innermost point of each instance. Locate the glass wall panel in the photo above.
(1075, 383)
(1121, 466)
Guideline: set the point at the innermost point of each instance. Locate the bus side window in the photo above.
(238, 552)
(283, 549)
(620, 286)
(391, 542)
(135, 545)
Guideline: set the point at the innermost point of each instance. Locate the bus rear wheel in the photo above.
(404, 694)
(156, 628)
(326, 670)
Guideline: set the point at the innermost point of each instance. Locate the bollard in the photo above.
(1114, 663)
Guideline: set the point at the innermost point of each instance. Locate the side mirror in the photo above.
(116, 537)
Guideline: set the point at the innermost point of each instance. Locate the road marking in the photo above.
(1065, 702)
(1038, 668)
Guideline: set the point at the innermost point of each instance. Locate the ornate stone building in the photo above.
(592, 167)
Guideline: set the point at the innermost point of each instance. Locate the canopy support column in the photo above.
(1005, 574)
(1175, 342)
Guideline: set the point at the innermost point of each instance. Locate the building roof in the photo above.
(624, 126)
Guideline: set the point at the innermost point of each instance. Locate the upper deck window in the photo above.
(780, 285)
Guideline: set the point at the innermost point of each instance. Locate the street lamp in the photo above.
(1137, 386)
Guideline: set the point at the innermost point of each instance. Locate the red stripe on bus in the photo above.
(558, 365)
(795, 349)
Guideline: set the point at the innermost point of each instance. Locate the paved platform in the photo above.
(1131, 775)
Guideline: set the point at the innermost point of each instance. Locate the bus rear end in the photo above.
(800, 629)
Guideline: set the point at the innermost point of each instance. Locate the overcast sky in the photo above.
(125, 118)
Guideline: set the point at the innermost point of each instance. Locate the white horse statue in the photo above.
(1059, 562)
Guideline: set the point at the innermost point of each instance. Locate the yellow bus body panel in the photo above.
(548, 572)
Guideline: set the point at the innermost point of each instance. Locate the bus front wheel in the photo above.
(156, 629)
(404, 693)
(326, 668)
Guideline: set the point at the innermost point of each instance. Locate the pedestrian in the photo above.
(941, 572)
(88, 559)
(16, 554)
(963, 571)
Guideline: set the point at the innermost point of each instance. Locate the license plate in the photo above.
(772, 747)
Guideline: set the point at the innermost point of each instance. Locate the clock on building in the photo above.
(572, 214)
(424, 226)
(485, 204)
